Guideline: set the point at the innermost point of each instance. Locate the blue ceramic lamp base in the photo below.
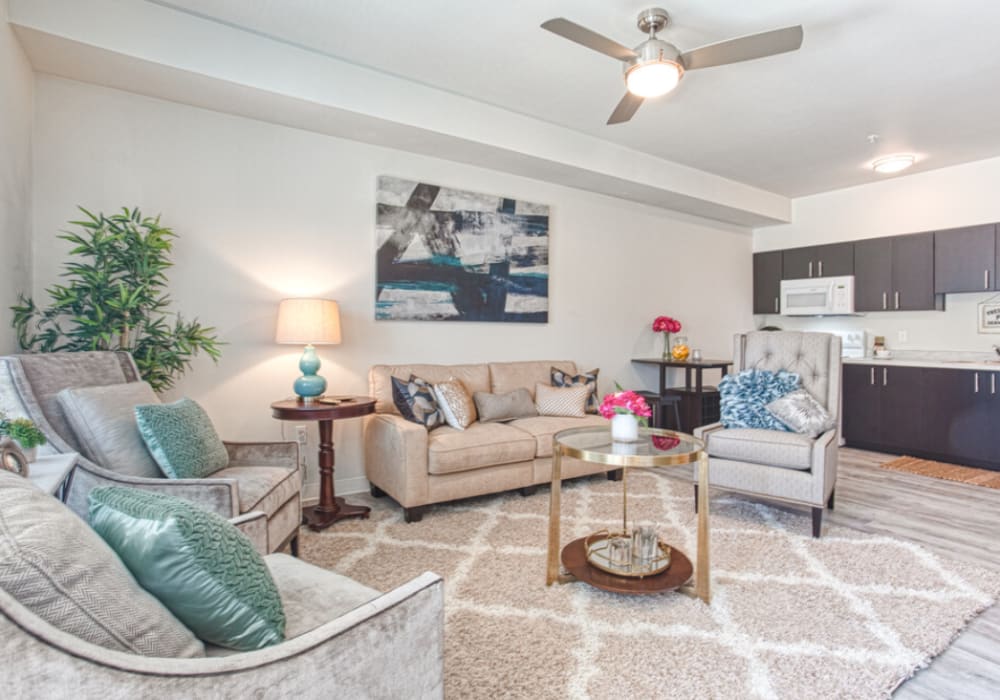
(310, 386)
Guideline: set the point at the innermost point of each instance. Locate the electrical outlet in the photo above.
(902, 336)
(301, 436)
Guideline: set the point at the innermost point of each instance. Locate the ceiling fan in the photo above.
(655, 67)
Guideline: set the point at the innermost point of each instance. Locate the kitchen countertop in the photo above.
(989, 362)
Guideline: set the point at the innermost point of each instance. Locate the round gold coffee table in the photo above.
(655, 448)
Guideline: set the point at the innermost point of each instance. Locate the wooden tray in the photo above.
(574, 558)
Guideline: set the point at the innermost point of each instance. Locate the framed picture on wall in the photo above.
(989, 317)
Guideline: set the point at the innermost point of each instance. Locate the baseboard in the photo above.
(342, 487)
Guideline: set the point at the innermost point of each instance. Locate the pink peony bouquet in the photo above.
(627, 402)
(665, 324)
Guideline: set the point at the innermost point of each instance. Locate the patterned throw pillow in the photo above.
(802, 413)
(561, 379)
(195, 562)
(561, 401)
(743, 398)
(182, 439)
(416, 402)
(503, 407)
(455, 403)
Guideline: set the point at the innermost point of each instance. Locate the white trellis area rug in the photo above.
(847, 616)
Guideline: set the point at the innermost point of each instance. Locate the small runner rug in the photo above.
(950, 472)
(850, 615)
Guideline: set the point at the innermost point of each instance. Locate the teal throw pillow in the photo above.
(181, 438)
(196, 563)
(743, 398)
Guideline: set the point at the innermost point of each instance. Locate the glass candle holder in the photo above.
(620, 552)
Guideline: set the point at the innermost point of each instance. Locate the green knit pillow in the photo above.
(194, 562)
(181, 438)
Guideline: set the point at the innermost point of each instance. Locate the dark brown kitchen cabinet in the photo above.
(766, 282)
(937, 413)
(831, 260)
(965, 259)
(894, 274)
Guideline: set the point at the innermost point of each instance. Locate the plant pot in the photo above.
(624, 428)
(30, 455)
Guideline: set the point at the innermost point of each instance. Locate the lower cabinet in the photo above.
(944, 414)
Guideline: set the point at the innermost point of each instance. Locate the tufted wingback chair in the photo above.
(773, 464)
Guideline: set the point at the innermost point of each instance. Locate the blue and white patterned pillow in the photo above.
(744, 397)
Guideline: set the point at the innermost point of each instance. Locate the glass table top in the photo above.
(654, 448)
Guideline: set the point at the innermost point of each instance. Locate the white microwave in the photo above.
(817, 296)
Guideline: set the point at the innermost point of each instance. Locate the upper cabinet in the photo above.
(766, 282)
(965, 259)
(831, 260)
(894, 274)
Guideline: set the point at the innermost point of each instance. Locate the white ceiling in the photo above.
(923, 75)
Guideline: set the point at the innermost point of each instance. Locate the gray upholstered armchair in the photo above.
(260, 477)
(778, 465)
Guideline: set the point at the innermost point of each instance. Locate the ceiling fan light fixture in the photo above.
(894, 163)
(653, 79)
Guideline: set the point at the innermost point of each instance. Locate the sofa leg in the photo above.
(528, 490)
(414, 515)
(615, 474)
(293, 546)
(376, 491)
(696, 498)
(817, 521)
(829, 503)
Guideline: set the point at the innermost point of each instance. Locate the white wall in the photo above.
(934, 200)
(16, 99)
(266, 212)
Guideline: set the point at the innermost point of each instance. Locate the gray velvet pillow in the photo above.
(801, 413)
(61, 570)
(103, 420)
(503, 407)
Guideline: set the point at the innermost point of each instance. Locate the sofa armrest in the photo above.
(824, 465)
(263, 454)
(702, 431)
(254, 526)
(396, 458)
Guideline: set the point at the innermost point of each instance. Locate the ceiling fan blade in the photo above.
(592, 40)
(745, 48)
(625, 109)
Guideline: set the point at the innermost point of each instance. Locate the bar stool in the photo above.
(659, 403)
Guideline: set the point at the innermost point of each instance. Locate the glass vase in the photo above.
(666, 346)
(680, 349)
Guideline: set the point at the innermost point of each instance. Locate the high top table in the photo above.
(694, 393)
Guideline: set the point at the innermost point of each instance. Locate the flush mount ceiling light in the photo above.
(656, 72)
(894, 163)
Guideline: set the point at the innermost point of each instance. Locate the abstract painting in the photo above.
(451, 255)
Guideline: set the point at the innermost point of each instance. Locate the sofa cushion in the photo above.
(263, 488)
(561, 401)
(195, 562)
(103, 422)
(507, 376)
(504, 407)
(542, 428)
(589, 379)
(415, 401)
(182, 439)
(62, 571)
(474, 377)
(773, 447)
(480, 445)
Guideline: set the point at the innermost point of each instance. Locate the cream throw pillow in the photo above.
(570, 401)
(455, 403)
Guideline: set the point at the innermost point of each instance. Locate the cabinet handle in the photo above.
(775, 304)
(895, 296)
(885, 301)
(986, 279)
(885, 376)
(820, 268)
(871, 379)
(993, 383)
(810, 268)
(975, 384)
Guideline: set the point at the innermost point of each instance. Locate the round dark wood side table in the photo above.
(330, 508)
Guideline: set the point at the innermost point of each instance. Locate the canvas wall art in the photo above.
(451, 255)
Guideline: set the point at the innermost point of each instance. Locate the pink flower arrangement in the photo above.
(626, 402)
(665, 324)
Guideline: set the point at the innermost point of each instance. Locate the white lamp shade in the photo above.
(308, 322)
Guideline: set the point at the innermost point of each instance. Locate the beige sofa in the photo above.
(418, 468)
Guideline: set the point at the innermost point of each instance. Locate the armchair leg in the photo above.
(817, 521)
(696, 498)
(526, 491)
(829, 503)
(615, 474)
(293, 546)
(414, 515)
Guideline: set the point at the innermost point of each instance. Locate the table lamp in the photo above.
(308, 322)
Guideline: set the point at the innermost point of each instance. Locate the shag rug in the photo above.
(949, 472)
(850, 615)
